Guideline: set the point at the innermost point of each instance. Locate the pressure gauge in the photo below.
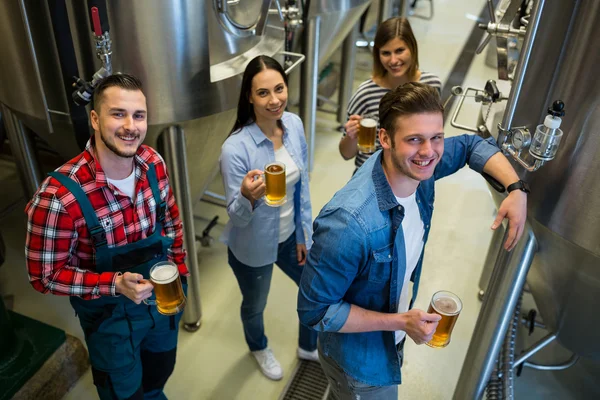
(521, 138)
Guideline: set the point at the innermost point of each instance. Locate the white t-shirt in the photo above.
(286, 211)
(413, 229)
(126, 186)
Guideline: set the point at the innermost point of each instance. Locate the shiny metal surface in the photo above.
(172, 144)
(564, 205)
(347, 74)
(502, 294)
(22, 149)
(21, 86)
(308, 94)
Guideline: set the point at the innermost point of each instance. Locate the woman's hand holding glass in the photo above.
(253, 187)
(352, 126)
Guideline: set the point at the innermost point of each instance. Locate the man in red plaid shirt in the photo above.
(95, 227)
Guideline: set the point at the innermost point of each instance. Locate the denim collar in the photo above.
(385, 197)
(258, 136)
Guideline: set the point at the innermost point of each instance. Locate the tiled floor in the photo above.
(214, 362)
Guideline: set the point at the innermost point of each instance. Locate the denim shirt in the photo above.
(252, 233)
(358, 254)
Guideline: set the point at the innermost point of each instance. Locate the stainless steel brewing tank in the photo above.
(188, 54)
(338, 17)
(564, 204)
(190, 58)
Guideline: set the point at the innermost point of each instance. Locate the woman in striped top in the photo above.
(395, 62)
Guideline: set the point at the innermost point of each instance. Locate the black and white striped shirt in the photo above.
(365, 102)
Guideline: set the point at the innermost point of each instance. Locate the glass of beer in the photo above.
(275, 181)
(170, 299)
(448, 305)
(366, 135)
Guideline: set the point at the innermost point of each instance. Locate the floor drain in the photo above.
(308, 382)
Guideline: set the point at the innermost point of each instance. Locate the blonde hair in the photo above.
(397, 27)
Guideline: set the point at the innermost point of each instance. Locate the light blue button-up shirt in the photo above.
(252, 233)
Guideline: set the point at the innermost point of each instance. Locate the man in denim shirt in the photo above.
(369, 241)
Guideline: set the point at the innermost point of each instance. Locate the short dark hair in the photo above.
(408, 99)
(124, 81)
(396, 27)
(245, 110)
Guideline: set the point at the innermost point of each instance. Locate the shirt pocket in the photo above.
(114, 226)
(381, 264)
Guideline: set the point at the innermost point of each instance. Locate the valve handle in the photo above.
(96, 21)
(557, 109)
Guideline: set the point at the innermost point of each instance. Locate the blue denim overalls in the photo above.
(132, 347)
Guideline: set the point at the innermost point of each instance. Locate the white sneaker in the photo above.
(308, 355)
(268, 364)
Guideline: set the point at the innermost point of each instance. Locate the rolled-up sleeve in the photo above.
(233, 170)
(339, 249)
(462, 150)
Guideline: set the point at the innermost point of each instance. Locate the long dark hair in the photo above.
(245, 110)
(397, 27)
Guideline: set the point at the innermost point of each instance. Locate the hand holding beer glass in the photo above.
(448, 306)
(274, 176)
(170, 299)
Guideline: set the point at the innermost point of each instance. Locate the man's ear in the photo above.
(384, 139)
(95, 120)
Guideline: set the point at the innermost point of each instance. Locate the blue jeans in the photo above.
(255, 283)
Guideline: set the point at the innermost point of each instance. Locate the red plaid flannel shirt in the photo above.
(58, 248)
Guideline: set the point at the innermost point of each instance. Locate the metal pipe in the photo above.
(347, 74)
(309, 84)
(494, 318)
(214, 198)
(22, 149)
(557, 367)
(540, 344)
(172, 146)
(386, 10)
(521, 71)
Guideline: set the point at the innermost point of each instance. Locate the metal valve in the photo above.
(490, 94)
(502, 30)
(542, 147)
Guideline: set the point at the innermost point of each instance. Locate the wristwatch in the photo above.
(518, 185)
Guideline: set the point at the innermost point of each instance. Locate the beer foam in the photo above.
(368, 123)
(275, 168)
(166, 273)
(446, 305)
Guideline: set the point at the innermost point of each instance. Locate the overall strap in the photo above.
(97, 233)
(161, 205)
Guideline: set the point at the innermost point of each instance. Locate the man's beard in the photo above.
(112, 147)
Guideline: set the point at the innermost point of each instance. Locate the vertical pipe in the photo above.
(172, 145)
(386, 9)
(515, 91)
(347, 74)
(309, 84)
(22, 149)
(494, 318)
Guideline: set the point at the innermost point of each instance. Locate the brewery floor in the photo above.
(214, 362)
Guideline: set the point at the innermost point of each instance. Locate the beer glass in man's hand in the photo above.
(170, 299)
(366, 135)
(448, 305)
(275, 194)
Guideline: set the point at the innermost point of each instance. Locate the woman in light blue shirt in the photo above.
(258, 235)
